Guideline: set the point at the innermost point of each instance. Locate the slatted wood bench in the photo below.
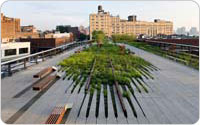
(57, 114)
(44, 72)
(44, 82)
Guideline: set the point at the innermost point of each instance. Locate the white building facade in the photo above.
(12, 50)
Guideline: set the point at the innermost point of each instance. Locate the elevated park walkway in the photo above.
(173, 95)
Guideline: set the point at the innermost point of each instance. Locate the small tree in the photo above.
(99, 37)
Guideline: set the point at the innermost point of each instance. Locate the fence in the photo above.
(186, 54)
(174, 46)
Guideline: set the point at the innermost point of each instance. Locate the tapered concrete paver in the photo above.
(101, 118)
(111, 117)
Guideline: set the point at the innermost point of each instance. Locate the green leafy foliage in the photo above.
(98, 36)
(123, 37)
(126, 94)
(78, 66)
(185, 58)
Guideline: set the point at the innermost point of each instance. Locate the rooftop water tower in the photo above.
(132, 18)
(100, 9)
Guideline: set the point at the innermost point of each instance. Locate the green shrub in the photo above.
(92, 90)
(126, 94)
(78, 66)
(105, 92)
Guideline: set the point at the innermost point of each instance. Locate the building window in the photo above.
(10, 52)
(23, 50)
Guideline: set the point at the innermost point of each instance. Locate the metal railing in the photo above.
(186, 54)
(176, 44)
(8, 65)
(173, 46)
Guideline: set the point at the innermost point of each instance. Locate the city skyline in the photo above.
(56, 13)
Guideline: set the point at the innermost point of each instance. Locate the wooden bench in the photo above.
(57, 114)
(44, 72)
(44, 82)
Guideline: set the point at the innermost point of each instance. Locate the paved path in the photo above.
(10, 86)
(176, 91)
(172, 98)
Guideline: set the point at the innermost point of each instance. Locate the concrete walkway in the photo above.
(10, 86)
(173, 96)
(175, 93)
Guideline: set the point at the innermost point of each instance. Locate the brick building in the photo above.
(40, 44)
(29, 28)
(11, 29)
(110, 25)
(69, 29)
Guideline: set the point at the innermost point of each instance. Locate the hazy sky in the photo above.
(47, 14)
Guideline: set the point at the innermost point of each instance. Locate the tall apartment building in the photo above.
(110, 25)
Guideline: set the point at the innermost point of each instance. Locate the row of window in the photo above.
(10, 52)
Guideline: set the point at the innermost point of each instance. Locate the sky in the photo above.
(46, 15)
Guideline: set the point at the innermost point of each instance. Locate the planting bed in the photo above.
(108, 71)
(181, 57)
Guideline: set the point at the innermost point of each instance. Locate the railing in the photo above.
(8, 65)
(177, 44)
(173, 45)
(186, 54)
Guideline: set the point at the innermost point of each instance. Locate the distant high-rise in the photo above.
(193, 31)
(181, 31)
(110, 25)
(84, 30)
